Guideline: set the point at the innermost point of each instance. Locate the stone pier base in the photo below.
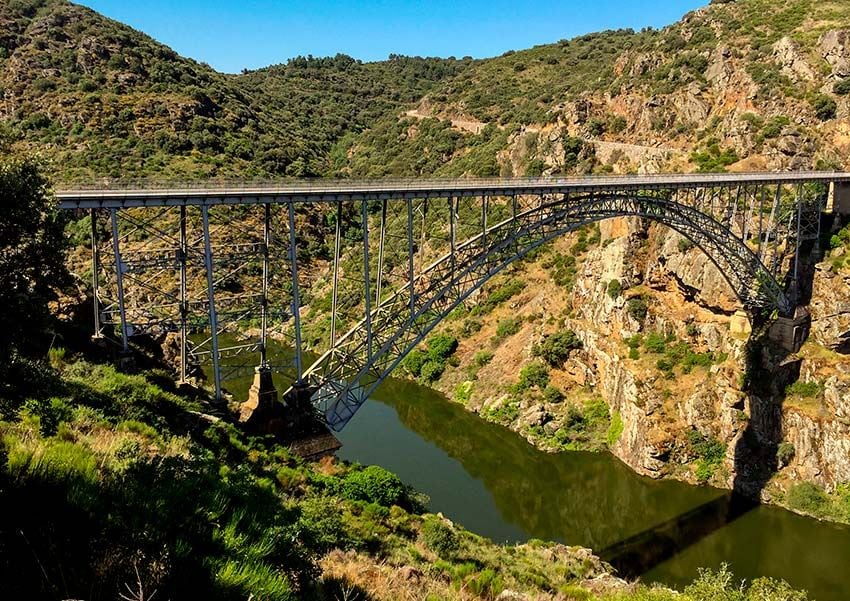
(262, 399)
(292, 422)
(791, 332)
(739, 324)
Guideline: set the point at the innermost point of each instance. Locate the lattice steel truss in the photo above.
(399, 262)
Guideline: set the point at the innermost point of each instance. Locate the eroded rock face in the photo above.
(835, 49)
(791, 60)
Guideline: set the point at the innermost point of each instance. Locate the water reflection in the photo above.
(494, 483)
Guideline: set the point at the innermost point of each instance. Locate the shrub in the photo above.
(785, 453)
(842, 88)
(507, 327)
(552, 394)
(374, 484)
(710, 453)
(825, 107)
(807, 390)
(615, 430)
(655, 343)
(440, 537)
(685, 245)
(463, 392)
(808, 498)
(482, 358)
(614, 288)
(535, 374)
(431, 371)
(556, 348)
(637, 308)
(441, 347)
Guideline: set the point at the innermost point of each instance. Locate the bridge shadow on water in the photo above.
(769, 370)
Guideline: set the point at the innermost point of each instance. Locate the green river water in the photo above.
(491, 481)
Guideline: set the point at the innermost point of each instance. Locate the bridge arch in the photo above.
(342, 379)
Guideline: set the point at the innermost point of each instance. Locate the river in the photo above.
(491, 481)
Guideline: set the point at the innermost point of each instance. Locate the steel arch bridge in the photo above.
(204, 261)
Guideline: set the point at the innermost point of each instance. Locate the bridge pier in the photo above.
(262, 398)
(791, 332)
(739, 324)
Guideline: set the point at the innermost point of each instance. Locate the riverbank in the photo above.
(125, 481)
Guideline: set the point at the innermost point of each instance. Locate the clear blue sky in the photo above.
(232, 35)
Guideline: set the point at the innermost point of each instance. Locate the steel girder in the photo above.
(408, 263)
(344, 377)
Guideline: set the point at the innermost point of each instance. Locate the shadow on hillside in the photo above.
(769, 370)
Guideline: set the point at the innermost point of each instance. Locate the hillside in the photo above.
(744, 84)
(101, 99)
(748, 84)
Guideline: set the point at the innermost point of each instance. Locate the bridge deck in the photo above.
(124, 194)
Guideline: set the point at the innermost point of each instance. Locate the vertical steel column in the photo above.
(452, 207)
(366, 281)
(761, 222)
(267, 240)
(119, 271)
(734, 210)
(378, 281)
(95, 271)
(184, 302)
(798, 237)
(296, 297)
(410, 266)
(335, 297)
(748, 217)
(208, 263)
(484, 202)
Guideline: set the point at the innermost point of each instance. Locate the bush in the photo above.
(710, 453)
(842, 88)
(615, 430)
(614, 289)
(785, 453)
(440, 537)
(808, 498)
(374, 484)
(535, 374)
(463, 392)
(655, 343)
(556, 348)
(414, 362)
(825, 107)
(807, 390)
(482, 358)
(507, 327)
(431, 371)
(441, 347)
(321, 525)
(552, 394)
(637, 308)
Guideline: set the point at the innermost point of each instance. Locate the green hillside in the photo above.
(101, 99)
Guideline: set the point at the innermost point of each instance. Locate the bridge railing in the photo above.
(345, 184)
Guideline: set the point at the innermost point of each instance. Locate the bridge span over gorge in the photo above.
(352, 275)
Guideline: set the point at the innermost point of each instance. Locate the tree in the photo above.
(32, 254)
